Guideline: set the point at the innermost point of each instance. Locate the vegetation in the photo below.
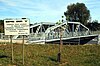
(46, 55)
(94, 25)
(1, 26)
(77, 12)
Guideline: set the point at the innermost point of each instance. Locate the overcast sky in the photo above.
(44, 10)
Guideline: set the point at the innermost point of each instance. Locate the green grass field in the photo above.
(46, 55)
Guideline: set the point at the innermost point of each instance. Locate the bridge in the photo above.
(72, 33)
(69, 32)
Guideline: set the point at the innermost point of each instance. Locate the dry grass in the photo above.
(46, 55)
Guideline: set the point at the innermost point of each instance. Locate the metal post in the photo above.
(32, 31)
(98, 39)
(5, 39)
(23, 49)
(79, 35)
(73, 30)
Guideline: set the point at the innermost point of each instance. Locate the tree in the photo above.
(1, 22)
(94, 25)
(1, 26)
(77, 12)
(95, 21)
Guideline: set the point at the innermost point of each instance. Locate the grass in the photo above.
(46, 55)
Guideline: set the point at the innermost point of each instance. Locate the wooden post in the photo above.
(60, 40)
(60, 47)
(61, 43)
(23, 49)
(12, 48)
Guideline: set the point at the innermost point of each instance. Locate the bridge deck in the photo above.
(81, 39)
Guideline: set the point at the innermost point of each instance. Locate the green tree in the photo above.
(77, 12)
(94, 25)
(1, 26)
(95, 21)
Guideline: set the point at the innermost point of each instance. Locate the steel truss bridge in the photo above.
(72, 33)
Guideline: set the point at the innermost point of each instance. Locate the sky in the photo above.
(44, 10)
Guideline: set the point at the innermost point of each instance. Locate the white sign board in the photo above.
(16, 27)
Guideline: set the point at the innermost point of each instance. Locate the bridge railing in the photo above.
(51, 35)
(95, 32)
(38, 36)
(55, 35)
(2, 36)
(7, 37)
(64, 35)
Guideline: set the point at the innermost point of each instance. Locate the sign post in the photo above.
(23, 49)
(17, 27)
(12, 49)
